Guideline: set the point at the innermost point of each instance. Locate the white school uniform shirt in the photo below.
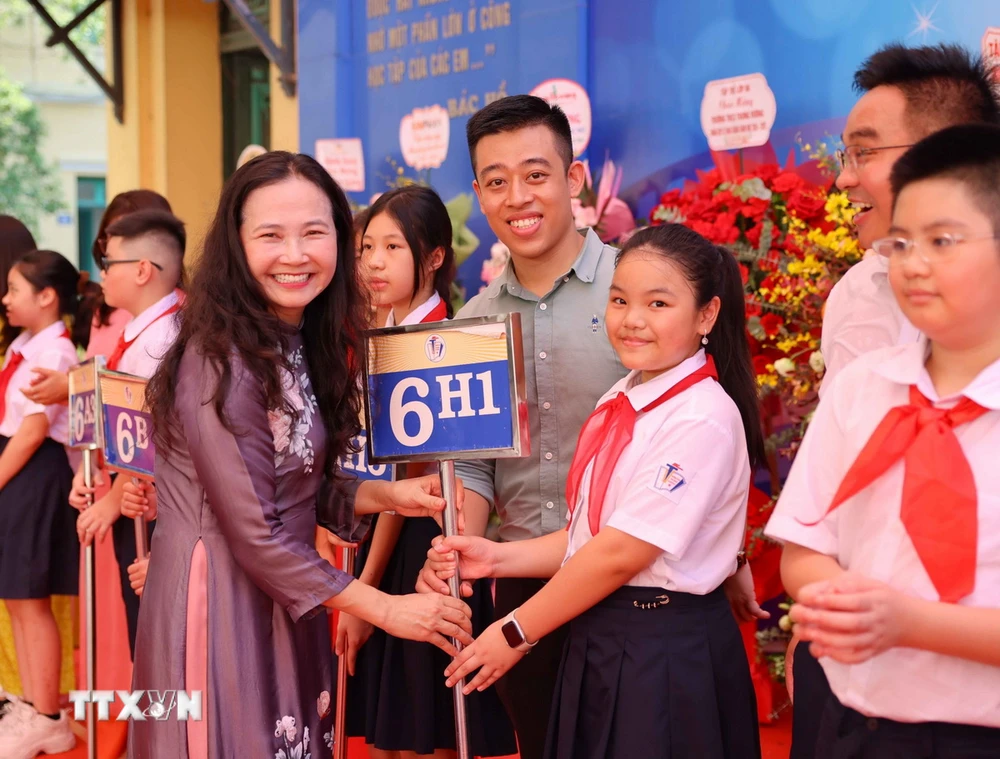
(865, 534)
(417, 315)
(51, 348)
(698, 521)
(153, 337)
(862, 315)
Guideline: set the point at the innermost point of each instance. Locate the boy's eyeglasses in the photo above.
(107, 263)
(853, 155)
(933, 250)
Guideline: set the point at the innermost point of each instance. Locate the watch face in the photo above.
(512, 635)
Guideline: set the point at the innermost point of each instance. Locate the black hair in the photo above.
(123, 203)
(227, 314)
(15, 241)
(969, 154)
(76, 294)
(361, 221)
(152, 222)
(943, 84)
(520, 112)
(423, 219)
(713, 272)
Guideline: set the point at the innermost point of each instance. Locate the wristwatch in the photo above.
(741, 559)
(514, 635)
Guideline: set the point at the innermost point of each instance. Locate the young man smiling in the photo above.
(558, 279)
(909, 93)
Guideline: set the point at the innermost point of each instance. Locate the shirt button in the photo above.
(549, 505)
(565, 279)
(546, 405)
(548, 456)
(543, 355)
(543, 306)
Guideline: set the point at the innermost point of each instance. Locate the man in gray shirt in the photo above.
(558, 279)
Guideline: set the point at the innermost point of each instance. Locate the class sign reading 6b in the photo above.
(447, 390)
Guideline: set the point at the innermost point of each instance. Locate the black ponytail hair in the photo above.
(78, 296)
(713, 271)
(423, 219)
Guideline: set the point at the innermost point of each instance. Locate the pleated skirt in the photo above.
(670, 682)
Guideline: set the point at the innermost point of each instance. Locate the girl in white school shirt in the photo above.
(891, 513)
(39, 553)
(654, 665)
(409, 264)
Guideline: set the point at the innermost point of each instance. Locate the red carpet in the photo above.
(775, 741)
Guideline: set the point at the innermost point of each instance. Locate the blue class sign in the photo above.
(446, 391)
(358, 465)
(128, 426)
(84, 405)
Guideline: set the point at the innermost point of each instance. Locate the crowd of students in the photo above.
(610, 629)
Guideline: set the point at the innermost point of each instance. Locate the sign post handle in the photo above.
(340, 717)
(141, 535)
(90, 616)
(449, 488)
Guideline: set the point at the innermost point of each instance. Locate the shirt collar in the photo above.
(135, 327)
(905, 365)
(28, 344)
(584, 267)
(641, 393)
(416, 316)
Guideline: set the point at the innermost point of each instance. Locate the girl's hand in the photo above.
(850, 618)
(421, 497)
(137, 575)
(47, 387)
(739, 589)
(96, 521)
(428, 581)
(139, 500)
(475, 558)
(429, 619)
(352, 634)
(490, 654)
(81, 497)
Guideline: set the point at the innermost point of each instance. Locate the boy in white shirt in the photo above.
(890, 515)
(142, 269)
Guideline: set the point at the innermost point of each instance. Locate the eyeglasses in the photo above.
(107, 263)
(853, 155)
(935, 249)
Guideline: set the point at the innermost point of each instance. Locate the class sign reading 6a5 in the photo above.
(446, 390)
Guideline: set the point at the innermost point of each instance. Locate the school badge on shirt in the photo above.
(669, 479)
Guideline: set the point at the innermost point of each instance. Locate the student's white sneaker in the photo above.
(24, 734)
(11, 701)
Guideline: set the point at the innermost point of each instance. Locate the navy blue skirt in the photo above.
(670, 682)
(39, 549)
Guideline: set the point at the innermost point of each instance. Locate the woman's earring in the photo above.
(704, 339)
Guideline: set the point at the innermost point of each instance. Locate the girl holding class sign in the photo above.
(39, 553)
(409, 265)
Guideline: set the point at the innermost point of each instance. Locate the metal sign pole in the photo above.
(340, 718)
(449, 490)
(141, 535)
(90, 615)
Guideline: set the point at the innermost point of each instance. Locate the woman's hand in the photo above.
(490, 654)
(82, 497)
(429, 619)
(137, 575)
(47, 387)
(352, 634)
(139, 500)
(422, 497)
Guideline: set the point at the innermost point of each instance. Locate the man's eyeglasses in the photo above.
(933, 250)
(107, 263)
(854, 156)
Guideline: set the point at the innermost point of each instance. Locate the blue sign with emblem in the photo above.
(85, 405)
(128, 426)
(447, 391)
